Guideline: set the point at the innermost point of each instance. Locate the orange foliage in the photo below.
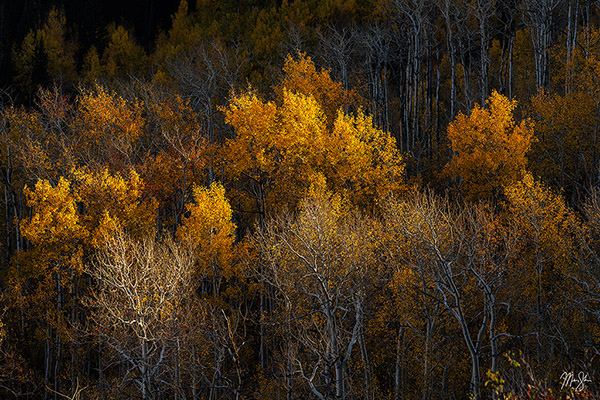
(301, 77)
(282, 147)
(489, 147)
(108, 126)
(210, 231)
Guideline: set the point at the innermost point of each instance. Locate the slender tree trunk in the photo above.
(145, 369)
(17, 217)
(408, 103)
(452, 82)
(340, 389)
(100, 374)
(262, 309)
(289, 365)
(510, 66)
(541, 26)
(211, 138)
(403, 100)
(416, 72)
(386, 104)
(493, 337)
(74, 358)
(475, 378)
(7, 209)
(573, 17)
(483, 78)
(438, 123)
(429, 100)
(47, 356)
(467, 80)
(472, 347)
(398, 364)
(334, 352)
(426, 385)
(57, 366)
(194, 377)
(568, 46)
(57, 360)
(445, 8)
(177, 372)
(366, 364)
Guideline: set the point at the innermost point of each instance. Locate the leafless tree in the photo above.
(205, 75)
(452, 17)
(136, 306)
(318, 264)
(462, 254)
(338, 47)
(484, 11)
(587, 278)
(376, 47)
(538, 16)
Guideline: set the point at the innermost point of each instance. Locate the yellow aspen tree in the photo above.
(281, 148)
(32, 148)
(301, 76)
(70, 220)
(55, 219)
(249, 157)
(108, 128)
(113, 202)
(56, 233)
(210, 232)
(75, 215)
(43, 280)
(489, 148)
(363, 162)
(277, 148)
(543, 216)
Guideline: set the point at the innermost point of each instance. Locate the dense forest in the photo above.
(303, 199)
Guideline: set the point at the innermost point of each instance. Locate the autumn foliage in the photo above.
(281, 148)
(489, 147)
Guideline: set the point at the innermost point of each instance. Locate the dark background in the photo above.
(86, 19)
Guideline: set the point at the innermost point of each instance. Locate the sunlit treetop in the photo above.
(489, 147)
(284, 146)
(300, 75)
